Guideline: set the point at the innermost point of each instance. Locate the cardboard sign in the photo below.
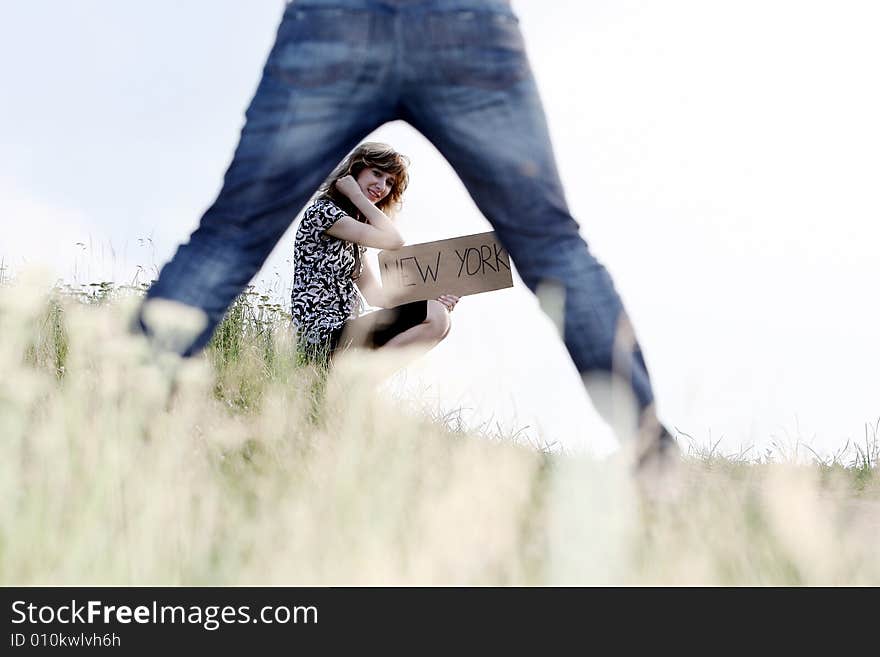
(460, 266)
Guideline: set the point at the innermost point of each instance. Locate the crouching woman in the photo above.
(352, 212)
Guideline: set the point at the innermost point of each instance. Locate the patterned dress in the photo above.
(324, 295)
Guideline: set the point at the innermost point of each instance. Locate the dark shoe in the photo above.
(662, 450)
(658, 465)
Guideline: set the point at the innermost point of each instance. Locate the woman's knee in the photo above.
(438, 319)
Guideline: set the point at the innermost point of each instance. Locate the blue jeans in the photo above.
(457, 71)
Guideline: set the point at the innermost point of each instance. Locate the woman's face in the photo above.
(375, 183)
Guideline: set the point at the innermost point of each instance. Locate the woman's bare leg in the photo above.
(406, 346)
(428, 334)
(425, 335)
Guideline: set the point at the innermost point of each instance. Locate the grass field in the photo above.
(249, 466)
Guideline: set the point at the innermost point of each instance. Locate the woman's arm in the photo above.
(378, 233)
(371, 288)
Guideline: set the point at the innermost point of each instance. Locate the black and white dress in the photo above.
(324, 295)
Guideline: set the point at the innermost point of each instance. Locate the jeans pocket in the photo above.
(482, 49)
(319, 46)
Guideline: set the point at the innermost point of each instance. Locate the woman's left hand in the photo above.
(449, 301)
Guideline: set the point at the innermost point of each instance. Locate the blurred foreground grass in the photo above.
(249, 466)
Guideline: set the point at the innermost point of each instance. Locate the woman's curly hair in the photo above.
(369, 154)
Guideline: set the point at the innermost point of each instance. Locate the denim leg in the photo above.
(320, 94)
(479, 106)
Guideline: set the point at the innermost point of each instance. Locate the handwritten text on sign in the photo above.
(460, 266)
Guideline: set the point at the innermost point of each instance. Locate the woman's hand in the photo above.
(448, 301)
(349, 186)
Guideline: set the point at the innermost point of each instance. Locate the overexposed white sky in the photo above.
(722, 158)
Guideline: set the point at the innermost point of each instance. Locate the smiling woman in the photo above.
(348, 216)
